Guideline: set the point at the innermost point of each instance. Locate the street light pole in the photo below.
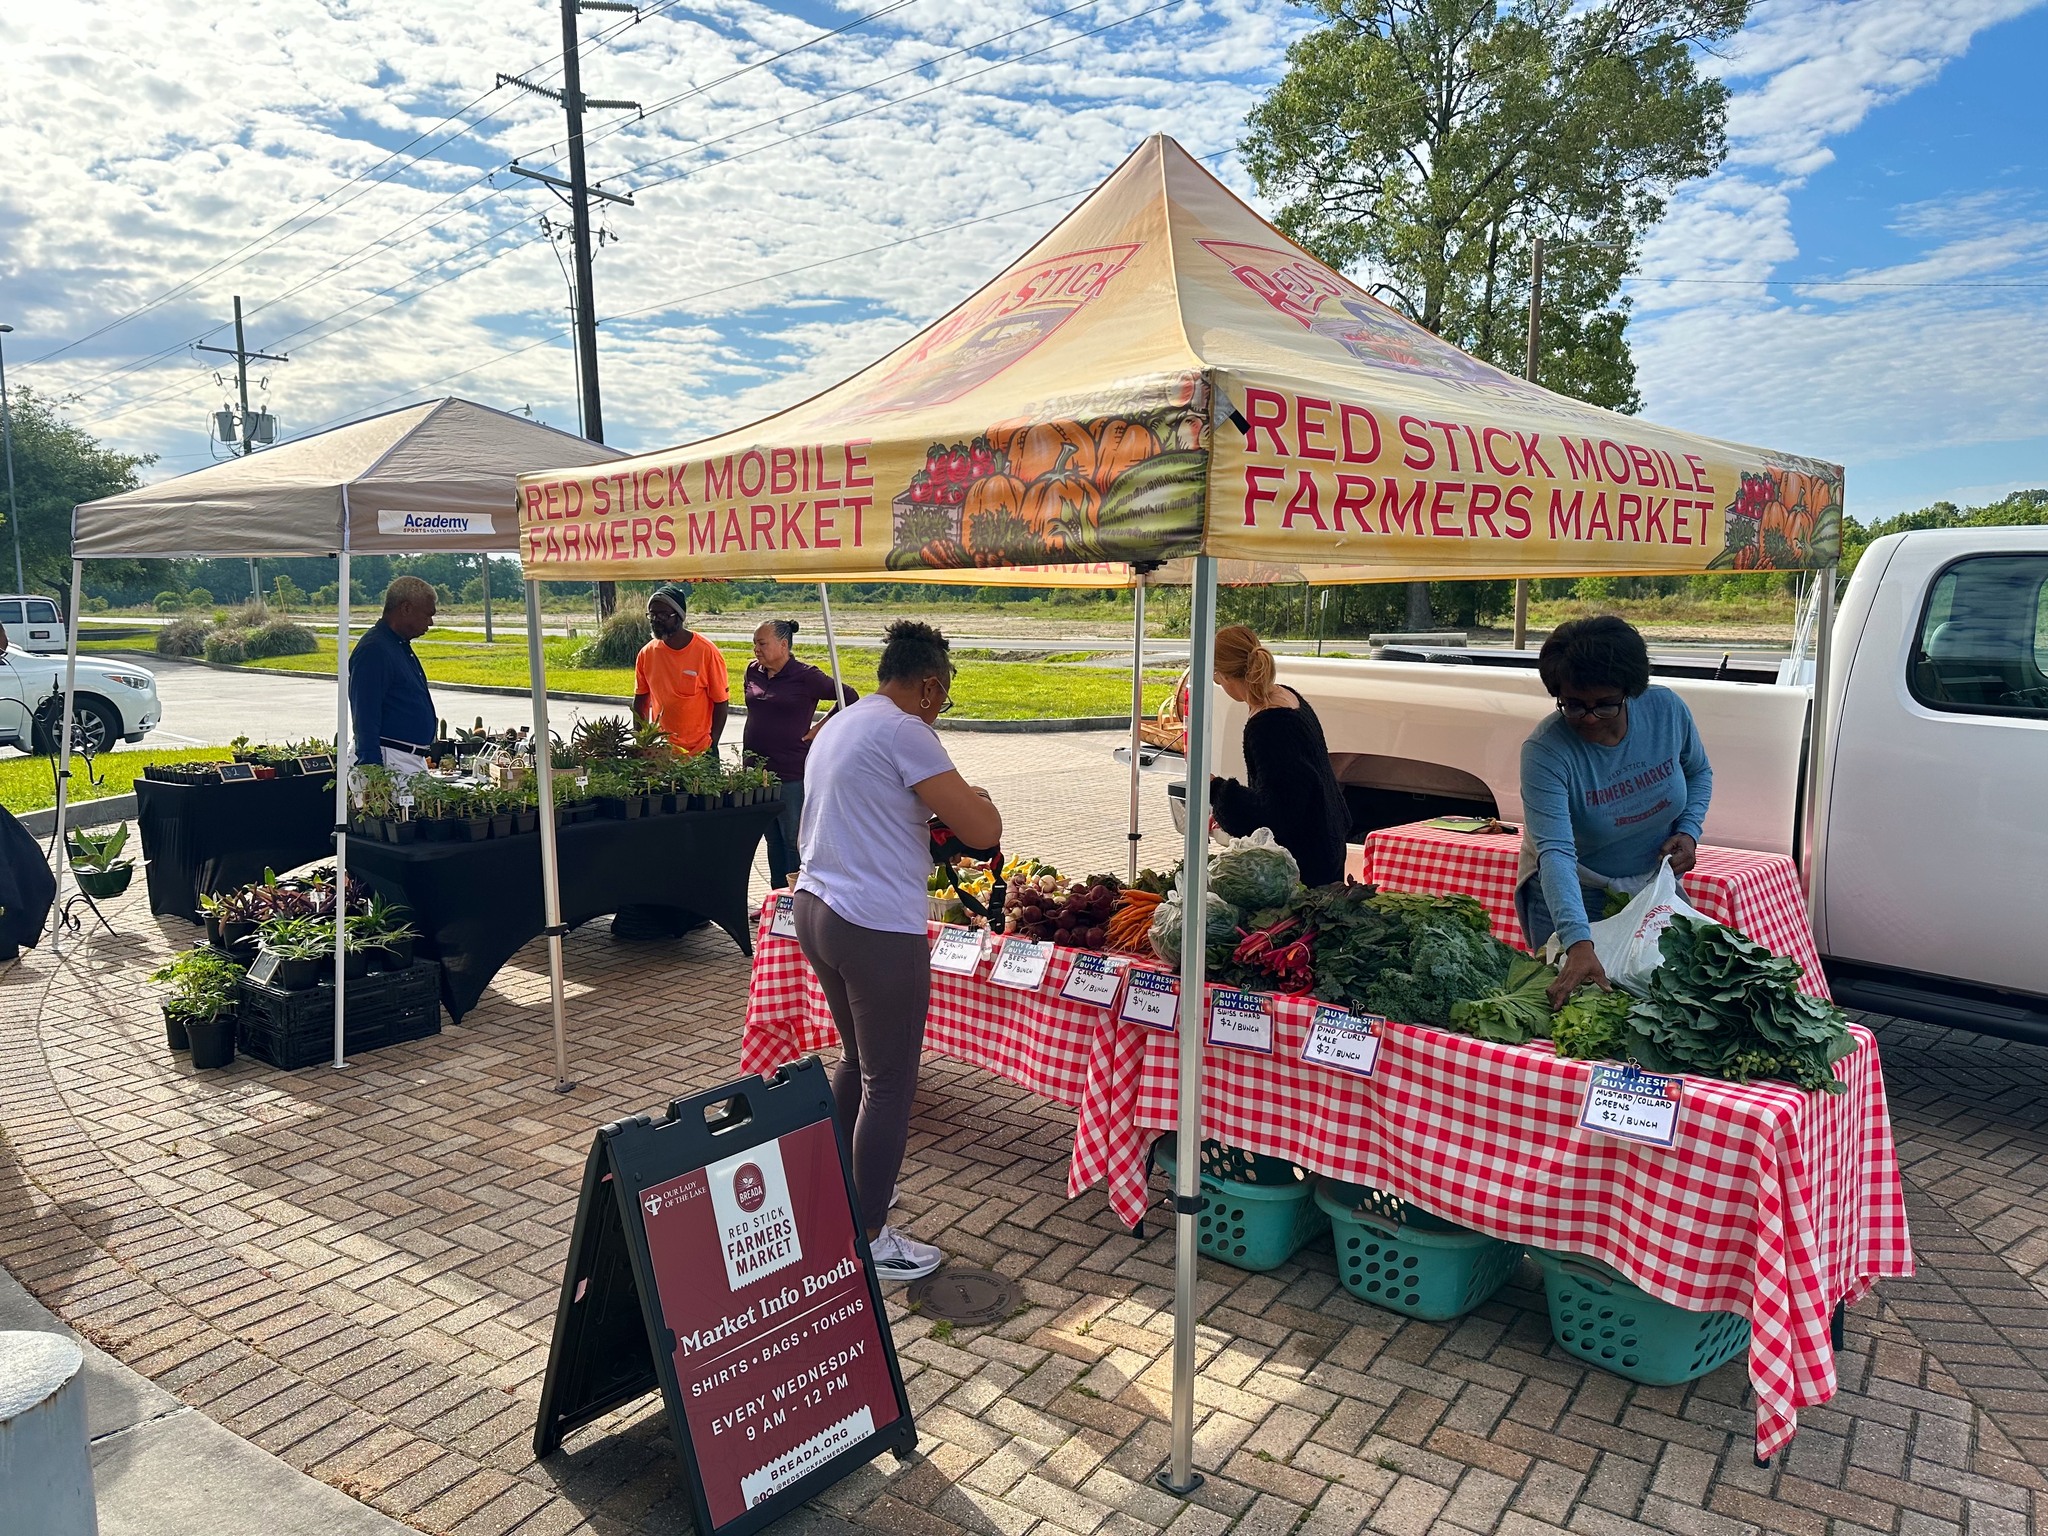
(7, 438)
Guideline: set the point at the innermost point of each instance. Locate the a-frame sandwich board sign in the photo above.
(717, 1256)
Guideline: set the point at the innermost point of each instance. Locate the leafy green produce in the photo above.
(1221, 933)
(1593, 1026)
(1723, 1006)
(1518, 1013)
(1419, 908)
(1254, 873)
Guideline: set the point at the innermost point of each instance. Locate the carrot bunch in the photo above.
(1130, 926)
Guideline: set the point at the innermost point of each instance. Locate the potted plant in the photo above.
(96, 861)
(387, 937)
(526, 811)
(235, 924)
(302, 946)
(499, 802)
(199, 1013)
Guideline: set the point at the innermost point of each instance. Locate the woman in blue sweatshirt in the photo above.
(1614, 782)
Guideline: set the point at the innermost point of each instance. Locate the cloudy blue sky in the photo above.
(1866, 279)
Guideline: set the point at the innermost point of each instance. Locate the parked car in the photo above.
(32, 623)
(1930, 874)
(116, 700)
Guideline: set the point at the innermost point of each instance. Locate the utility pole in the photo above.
(243, 356)
(580, 193)
(1529, 371)
(7, 440)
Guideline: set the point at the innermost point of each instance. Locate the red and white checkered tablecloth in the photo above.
(1037, 1040)
(1756, 894)
(1774, 1202)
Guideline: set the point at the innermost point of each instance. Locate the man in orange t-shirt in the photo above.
(679, 677)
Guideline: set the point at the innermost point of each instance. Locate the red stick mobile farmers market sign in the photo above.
(1244, 470)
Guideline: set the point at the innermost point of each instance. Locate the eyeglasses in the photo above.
(1572, 709)
(945, 700)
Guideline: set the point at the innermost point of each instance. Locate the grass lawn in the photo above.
(984, 690)
(25, 783)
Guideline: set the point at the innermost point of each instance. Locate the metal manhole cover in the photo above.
(970, 1296)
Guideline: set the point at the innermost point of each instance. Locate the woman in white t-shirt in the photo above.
(875, 775)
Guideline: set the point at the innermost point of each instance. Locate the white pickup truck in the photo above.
(1930, 874)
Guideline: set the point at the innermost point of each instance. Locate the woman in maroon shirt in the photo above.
(783, 694)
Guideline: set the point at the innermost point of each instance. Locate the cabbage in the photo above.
(1166, 921)
(1254, 872)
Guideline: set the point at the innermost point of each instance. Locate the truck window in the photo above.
(10, 612)
(41, 612)
(1982, 648)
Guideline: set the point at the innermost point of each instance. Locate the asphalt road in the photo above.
(205, 707)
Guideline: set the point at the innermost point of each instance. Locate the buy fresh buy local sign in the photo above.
(1257, 472)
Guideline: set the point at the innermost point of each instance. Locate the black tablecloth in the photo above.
(476, 904)
(201, 839)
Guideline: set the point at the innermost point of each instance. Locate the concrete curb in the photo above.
(80, 813)
(1072, 723)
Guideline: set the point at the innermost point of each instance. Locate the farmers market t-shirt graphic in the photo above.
(996, 328)
(1320, 301)
(756, 1227)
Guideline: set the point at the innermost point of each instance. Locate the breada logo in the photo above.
(756, 1222)
(749, 1188)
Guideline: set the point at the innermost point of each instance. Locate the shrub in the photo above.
(182, 637)
(254, 613)
(286, 593)
(169, 602)
(96, 605)
(280, 637)
(227, 645)
(199, 597)
(618, 643)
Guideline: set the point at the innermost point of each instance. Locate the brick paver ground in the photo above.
(358, 1272)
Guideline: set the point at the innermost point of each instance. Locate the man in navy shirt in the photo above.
(387, 687)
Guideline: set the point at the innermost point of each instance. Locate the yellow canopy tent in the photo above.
(1165, 383)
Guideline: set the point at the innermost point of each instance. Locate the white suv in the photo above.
(116, 700)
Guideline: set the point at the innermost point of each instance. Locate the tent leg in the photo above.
(1137, 714)
(344, 761)
(550, 856)
(831, 644)
(1180, 1476)
(64, 753)
(1813, 827)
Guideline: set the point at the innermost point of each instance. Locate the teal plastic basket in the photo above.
(1620, 1327)
(1257, 1211)
(1398, 1256)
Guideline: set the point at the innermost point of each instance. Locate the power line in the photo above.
(284, 230)
(1810, 282)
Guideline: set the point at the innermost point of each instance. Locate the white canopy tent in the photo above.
(435, 478)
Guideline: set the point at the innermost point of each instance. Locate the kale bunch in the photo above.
(1724, 1006)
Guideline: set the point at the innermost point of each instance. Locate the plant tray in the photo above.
(296, 1029)
(1398, 1256)
(1605, 1321)
(1257, 1211)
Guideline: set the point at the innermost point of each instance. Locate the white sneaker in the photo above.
(895, 1196)
(901, 1258)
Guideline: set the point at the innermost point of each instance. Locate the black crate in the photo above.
(296, 1029)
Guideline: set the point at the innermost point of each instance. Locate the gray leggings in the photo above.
(878, 986)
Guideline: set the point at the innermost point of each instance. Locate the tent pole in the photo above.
(831, 645)
(1180, 1476)
(1137, 711)
(344, 765)
(550, 856)
(1813, 829)
(64, 753)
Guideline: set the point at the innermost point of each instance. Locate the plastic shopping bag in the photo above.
(1627, 943)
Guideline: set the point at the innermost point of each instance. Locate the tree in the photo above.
(1426, 143)
(57, 466)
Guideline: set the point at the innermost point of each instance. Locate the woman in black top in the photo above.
(1293, 791)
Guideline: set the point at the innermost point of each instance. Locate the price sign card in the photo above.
(1347, 1042)
(1635, 1105)
(1242, 1021)
(237, 773)
(317, 762)
(1151, 998)
(1021, 963)
(957, 950)
(783, 923)
(1092, 979)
